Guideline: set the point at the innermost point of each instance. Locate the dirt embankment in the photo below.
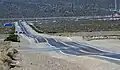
(7, 54)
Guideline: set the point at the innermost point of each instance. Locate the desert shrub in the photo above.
(36, 29)
(12, 37)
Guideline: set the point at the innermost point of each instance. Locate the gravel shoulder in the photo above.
(43, 61)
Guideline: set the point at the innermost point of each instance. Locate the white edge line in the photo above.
(87, 55)
(96, 47)
(108, 57)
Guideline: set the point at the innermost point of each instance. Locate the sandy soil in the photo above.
(3, 36)
(29, 60)
(7, 55)
(43, 61)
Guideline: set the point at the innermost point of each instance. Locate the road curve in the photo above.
(71, 48)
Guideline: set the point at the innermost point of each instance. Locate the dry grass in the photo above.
(7, 54)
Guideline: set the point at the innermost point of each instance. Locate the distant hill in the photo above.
(55, 8)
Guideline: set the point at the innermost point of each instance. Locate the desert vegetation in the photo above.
(55, 8)
(13, 38)
(80, 26)
(6, 30)
(9, 32)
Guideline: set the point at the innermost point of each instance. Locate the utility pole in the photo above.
(115, 5)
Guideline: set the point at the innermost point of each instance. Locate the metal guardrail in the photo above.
(80, 17)
(88, 38)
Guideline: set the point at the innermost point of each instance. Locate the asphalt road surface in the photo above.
(29, 34)
(71, 48)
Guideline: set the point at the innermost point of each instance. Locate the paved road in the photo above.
(71, 48)
(29, 34)
(49, 18)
